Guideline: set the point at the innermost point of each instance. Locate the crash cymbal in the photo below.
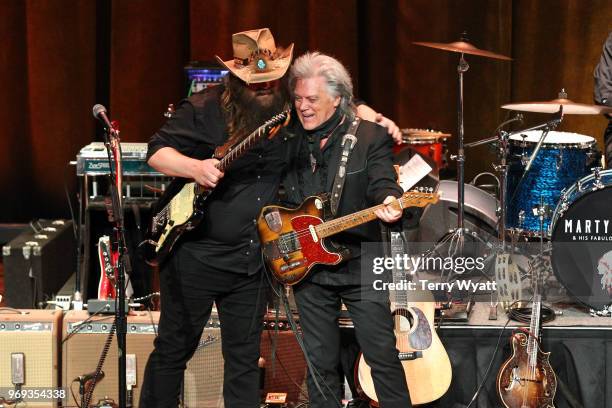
(569, 107)
(463, 47)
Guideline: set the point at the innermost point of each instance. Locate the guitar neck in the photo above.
(248, 142)
(409, 199)
(534, 330)
(398, 297)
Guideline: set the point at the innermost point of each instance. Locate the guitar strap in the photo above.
(348, 142)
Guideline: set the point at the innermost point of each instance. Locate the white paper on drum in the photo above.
(413, 171)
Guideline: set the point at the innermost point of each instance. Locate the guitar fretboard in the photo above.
(246, 144)
(409, 199)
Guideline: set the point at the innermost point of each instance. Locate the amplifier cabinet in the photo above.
(35, 334)
(81, 351)
(38, 262)
(287, 372)
(203, 378)
(203, 381)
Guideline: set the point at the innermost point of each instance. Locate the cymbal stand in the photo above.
(462, 68)
(502, 170)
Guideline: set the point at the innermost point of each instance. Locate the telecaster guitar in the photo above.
(425, 362)
(292, 240)
(181, 208)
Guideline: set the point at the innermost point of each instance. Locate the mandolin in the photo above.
(526, 379)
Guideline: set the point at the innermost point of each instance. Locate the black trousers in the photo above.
(189, 286)
(319, 309)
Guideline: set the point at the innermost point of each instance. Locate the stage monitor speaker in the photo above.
(81, 351)
(33, 336)
(203, 385)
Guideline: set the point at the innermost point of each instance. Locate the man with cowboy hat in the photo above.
(219, 261)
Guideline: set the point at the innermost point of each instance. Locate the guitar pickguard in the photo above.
(312, 248)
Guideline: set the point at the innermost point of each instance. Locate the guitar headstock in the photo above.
(277, 122)
(420, 197)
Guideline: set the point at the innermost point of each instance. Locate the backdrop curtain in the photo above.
(59, 58)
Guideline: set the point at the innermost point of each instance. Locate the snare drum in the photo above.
(429, 143)
(562, 159)
(581, 236)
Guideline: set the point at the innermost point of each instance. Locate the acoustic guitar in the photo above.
(425, 362)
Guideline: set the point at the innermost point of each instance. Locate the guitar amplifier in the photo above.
(38, 262)
(33, 337)
(203, 381)
(83, 343)
(203, 378)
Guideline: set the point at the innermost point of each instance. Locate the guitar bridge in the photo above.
(282, 247)
(409, 355)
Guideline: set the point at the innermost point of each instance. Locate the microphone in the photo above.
(99, 112)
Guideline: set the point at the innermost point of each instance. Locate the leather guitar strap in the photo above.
(348, 142)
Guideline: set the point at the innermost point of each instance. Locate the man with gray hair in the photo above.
(322, 93)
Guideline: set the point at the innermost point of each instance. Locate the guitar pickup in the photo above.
(409, 355)
(292, 265)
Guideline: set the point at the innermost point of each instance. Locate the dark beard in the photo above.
(251, 111)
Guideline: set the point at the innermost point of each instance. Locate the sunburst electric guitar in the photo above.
(426, 364)
(181, 207)
(293, 240)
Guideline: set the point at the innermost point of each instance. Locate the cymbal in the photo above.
(410, 133)
(569, 107)
(463, 47)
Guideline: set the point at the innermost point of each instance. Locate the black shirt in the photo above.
(603, 91)
(227, 234)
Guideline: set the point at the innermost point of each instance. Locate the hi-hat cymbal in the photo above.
(463, 47)
(569, 107)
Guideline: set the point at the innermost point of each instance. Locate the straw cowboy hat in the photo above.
(256, 58)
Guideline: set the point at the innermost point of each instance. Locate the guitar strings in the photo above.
(305, 232)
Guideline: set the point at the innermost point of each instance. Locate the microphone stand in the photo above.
(113, 146)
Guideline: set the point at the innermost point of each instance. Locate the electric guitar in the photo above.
(526, 379)
(108, 259)
(181, 207)
(425, 362)
(292, 240)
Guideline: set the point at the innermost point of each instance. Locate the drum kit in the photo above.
(551, 189)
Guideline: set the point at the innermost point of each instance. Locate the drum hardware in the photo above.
(598, 183)
(546, 128)
(462, 47)
(493, 189)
